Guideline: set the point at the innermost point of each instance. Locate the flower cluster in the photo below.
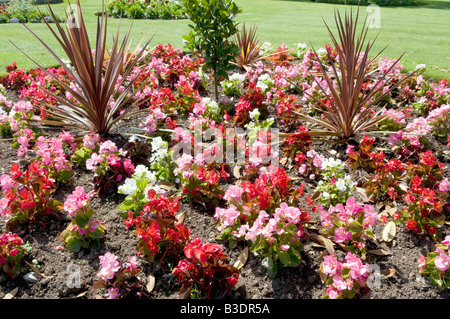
(438, 120)
(233, 87)
(386, 178)
(265, 214)
(424, 212)
(362, 157)
(436, 265)
(51, 153)
(84, 231)
(136, 190)
(345, 279)
(200, 179)
(110, 167)
(349, 224)
(335, 186)
(120, 279)
(161, 236)
(26, 195)
(297, 143)
(12, 252)
(394, 121)
(205, 269)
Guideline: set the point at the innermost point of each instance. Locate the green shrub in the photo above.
(212, 27)
(148, 9)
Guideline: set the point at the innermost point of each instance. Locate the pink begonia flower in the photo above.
(6, 182)
(446, 241)
(331, 292)
(90, 141)
(358, 270)
(132, 263)
(370, 215)
(199, 108)
(442, 261)
(93, 226)
(444, 185)
(110, 265)
(108, 147)
(95, 160)
(330, 265)
(77, 200)
(234, 192)
(285, 247)
(113, 293)
(339, 283)
(341, 235)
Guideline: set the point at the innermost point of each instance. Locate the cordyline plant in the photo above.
(97, 76)
(249, 47)
(350, 109)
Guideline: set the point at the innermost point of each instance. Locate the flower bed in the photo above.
(163, 212)
(23, 11)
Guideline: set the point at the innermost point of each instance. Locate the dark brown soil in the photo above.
(59, 266)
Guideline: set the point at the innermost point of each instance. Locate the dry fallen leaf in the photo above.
(380, 252)
(324, 241)
(11, 294)
(389, 232)
(37, 271)
(181, 217)
(316, 196)
(237, 171)
(323, 276)
(391, 210)
(150, 283)
(242, 259)
(363, 194)
(388, 272)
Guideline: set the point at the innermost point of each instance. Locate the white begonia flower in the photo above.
(420, 66)
(326, 195)
(140, 171)
(133, 139)
(340, 184)
(159, 148)
(157, 143)
(322, 51)
(129, 187)
(237, 78)
(265, 48)
(301, 45)
(349, 181)
(254, 115)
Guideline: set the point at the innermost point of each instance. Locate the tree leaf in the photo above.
(323, 276)
(237, 172)
(181, 217)
(11, 294)
(389, 231)
(242, 259)
(388, 272)
(380, 252)
(324, 241)
(362, 193)
(37, 271)
(150, 283)
(99, 285)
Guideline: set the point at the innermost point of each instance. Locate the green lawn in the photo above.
(423, 33)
